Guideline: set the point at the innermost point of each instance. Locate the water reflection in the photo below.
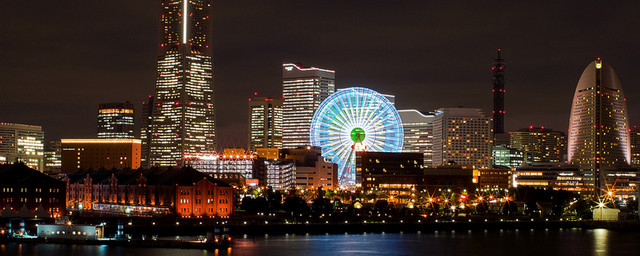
(600, 241)
(481, 242)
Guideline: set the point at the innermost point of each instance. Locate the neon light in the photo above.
(355, 109)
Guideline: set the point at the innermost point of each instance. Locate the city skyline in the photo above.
(542, 62)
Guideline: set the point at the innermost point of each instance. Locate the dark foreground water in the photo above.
(507, 242)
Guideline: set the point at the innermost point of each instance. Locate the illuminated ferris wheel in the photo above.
(351, 120)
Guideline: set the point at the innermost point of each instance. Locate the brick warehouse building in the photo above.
(184, 192)
(26, 193)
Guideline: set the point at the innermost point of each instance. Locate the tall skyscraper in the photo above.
(183, 120)
(543, 145)
(303, 89)
(418, 133)
(498, 113)
(265, 123)
(462, 136)
(599, 124)
(116, 121)
(22, 143)
(145, 131)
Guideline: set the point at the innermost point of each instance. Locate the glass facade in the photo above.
(22, 143)
(116, 121)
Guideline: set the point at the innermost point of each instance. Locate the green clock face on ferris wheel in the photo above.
(357, 135)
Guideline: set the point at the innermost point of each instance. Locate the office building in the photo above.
(116, 121)
(386, 170)
(599, 124)
(179, 191)
(183, 120)
(52, 156)
(312, 170)
(509, 157)
(27, 193)
(462, 136)
(22, 143)
(92, 154)
(265, 123)
(542, 144)
(418, 133)
(303, 89)
(275, 173)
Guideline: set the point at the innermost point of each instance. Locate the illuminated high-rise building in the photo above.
(22, 143)
(116, 121)
(599, 124)
(544, 145)
(462, 136)
(145, 131)
(183, 120)
(418, 133)
(303, 89)
(265, 123)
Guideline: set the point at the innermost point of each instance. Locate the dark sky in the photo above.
(59, 59)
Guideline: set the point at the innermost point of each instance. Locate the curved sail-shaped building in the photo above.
(599, 123)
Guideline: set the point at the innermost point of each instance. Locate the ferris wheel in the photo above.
(355, 119)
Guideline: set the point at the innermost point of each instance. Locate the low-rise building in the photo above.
(85, 154)
(184, 192)
(28, 193)
(312, 170)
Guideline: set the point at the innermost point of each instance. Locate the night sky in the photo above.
(60, 59)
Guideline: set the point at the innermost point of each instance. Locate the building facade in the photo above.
(116, 121)
(220, 166)
(86, 154)
(508, 157)
(183, 119)
(52, 156)
(145, 131)
(418, 133)
(184, 192)
(599, 124)
(22, 143)
(462, 136)
(395, 173)
(312, 170)
(28, 193)
(303, 89)
(543, 145)
(265, 123)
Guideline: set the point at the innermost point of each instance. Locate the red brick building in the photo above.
(184, 192)
(27, 193)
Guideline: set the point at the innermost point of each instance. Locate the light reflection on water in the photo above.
(483, 242)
